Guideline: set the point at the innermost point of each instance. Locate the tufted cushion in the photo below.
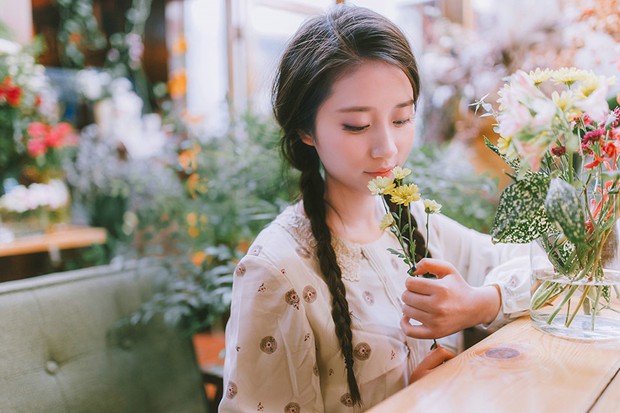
(62, 349)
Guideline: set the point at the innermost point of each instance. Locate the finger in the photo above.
(420, 301)
(417, 331)
(434, 359)
(437, 267)
(417, 314)
(420, 285)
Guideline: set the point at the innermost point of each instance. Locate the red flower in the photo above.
(10, 93)
(558, 150)
(58, 134)
(38, 130)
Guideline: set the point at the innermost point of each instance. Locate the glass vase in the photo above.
(583, 304)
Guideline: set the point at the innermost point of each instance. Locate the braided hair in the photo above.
(323, 49)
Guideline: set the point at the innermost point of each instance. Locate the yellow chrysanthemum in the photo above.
(504, 145)
(540, 76)
(569, 75)
(400, 173)
(405, 194)
(431, 207)
(590, 84)
(387, 221)
(563, 100)
(380, 185)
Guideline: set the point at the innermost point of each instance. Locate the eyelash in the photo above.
(352, 128)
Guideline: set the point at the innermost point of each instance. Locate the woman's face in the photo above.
(365, 127)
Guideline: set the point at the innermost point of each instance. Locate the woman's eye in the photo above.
(352, 128)
(402, 122)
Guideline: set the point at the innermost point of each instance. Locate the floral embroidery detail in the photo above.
(330, 372)
(309, 294)
(348, 258)
(303, 252)
(292, 298)
(268, 345)
(240, 270)
(292, 408)
(231, 390)
(362, 351)
(307, 337)
(368, 297)
(315, 370)
(393, 355)
(346, 400)
(394, 262)
(237, 348)
(261, 288)
(256, 250)
(260, 407)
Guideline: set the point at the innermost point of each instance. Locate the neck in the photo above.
(354, 217)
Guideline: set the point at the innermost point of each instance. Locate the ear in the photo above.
(306, 138)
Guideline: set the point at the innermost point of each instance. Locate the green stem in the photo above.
(581, 301)
(567, 297)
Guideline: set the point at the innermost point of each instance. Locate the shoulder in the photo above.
(284, 247)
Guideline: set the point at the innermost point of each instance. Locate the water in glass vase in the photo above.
(583, 309)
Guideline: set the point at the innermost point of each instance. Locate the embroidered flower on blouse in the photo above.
(240, 270)
(268, 345)
(368, 297)
(292, 298)
(362, 351)
(292, 408)
(309, 294)
(346, 400)
(231, 390)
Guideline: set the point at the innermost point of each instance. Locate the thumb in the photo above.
(435, 358)
(433, 266)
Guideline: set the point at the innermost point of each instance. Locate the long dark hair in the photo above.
(322, 50)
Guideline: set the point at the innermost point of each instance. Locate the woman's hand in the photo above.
(435, 358)
(447, 304)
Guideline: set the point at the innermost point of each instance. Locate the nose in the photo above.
(383, 144)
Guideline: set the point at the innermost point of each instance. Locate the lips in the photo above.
(381, 172)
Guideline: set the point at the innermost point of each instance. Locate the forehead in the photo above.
(372, 84)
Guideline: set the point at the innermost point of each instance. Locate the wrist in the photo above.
(490, 300)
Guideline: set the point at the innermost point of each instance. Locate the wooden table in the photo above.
(23, 257)
(519, 369)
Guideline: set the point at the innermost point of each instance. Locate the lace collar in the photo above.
(348, 255)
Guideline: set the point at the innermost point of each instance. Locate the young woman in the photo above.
(322, 314)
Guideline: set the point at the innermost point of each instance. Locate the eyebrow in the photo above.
(368, 108)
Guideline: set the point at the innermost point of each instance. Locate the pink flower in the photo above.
(36, 147)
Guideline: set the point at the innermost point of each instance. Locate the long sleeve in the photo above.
(270, 357)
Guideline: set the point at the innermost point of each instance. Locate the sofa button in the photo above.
(51, 367)
(127, 343)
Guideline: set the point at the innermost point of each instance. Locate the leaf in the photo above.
(397, 253)
(514, 163)
(564, 208)
(521, 216)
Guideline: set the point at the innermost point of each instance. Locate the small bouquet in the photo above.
(398, 219)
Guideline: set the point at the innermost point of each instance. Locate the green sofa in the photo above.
(63, 350)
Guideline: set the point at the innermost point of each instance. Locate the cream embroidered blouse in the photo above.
(282, 354)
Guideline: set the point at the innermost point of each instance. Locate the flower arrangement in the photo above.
(559, 135)
(31, 139)
(402, 195)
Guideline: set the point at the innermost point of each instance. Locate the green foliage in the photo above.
(466, 196)
(564, 208)
(521, 216)
(235, 184)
